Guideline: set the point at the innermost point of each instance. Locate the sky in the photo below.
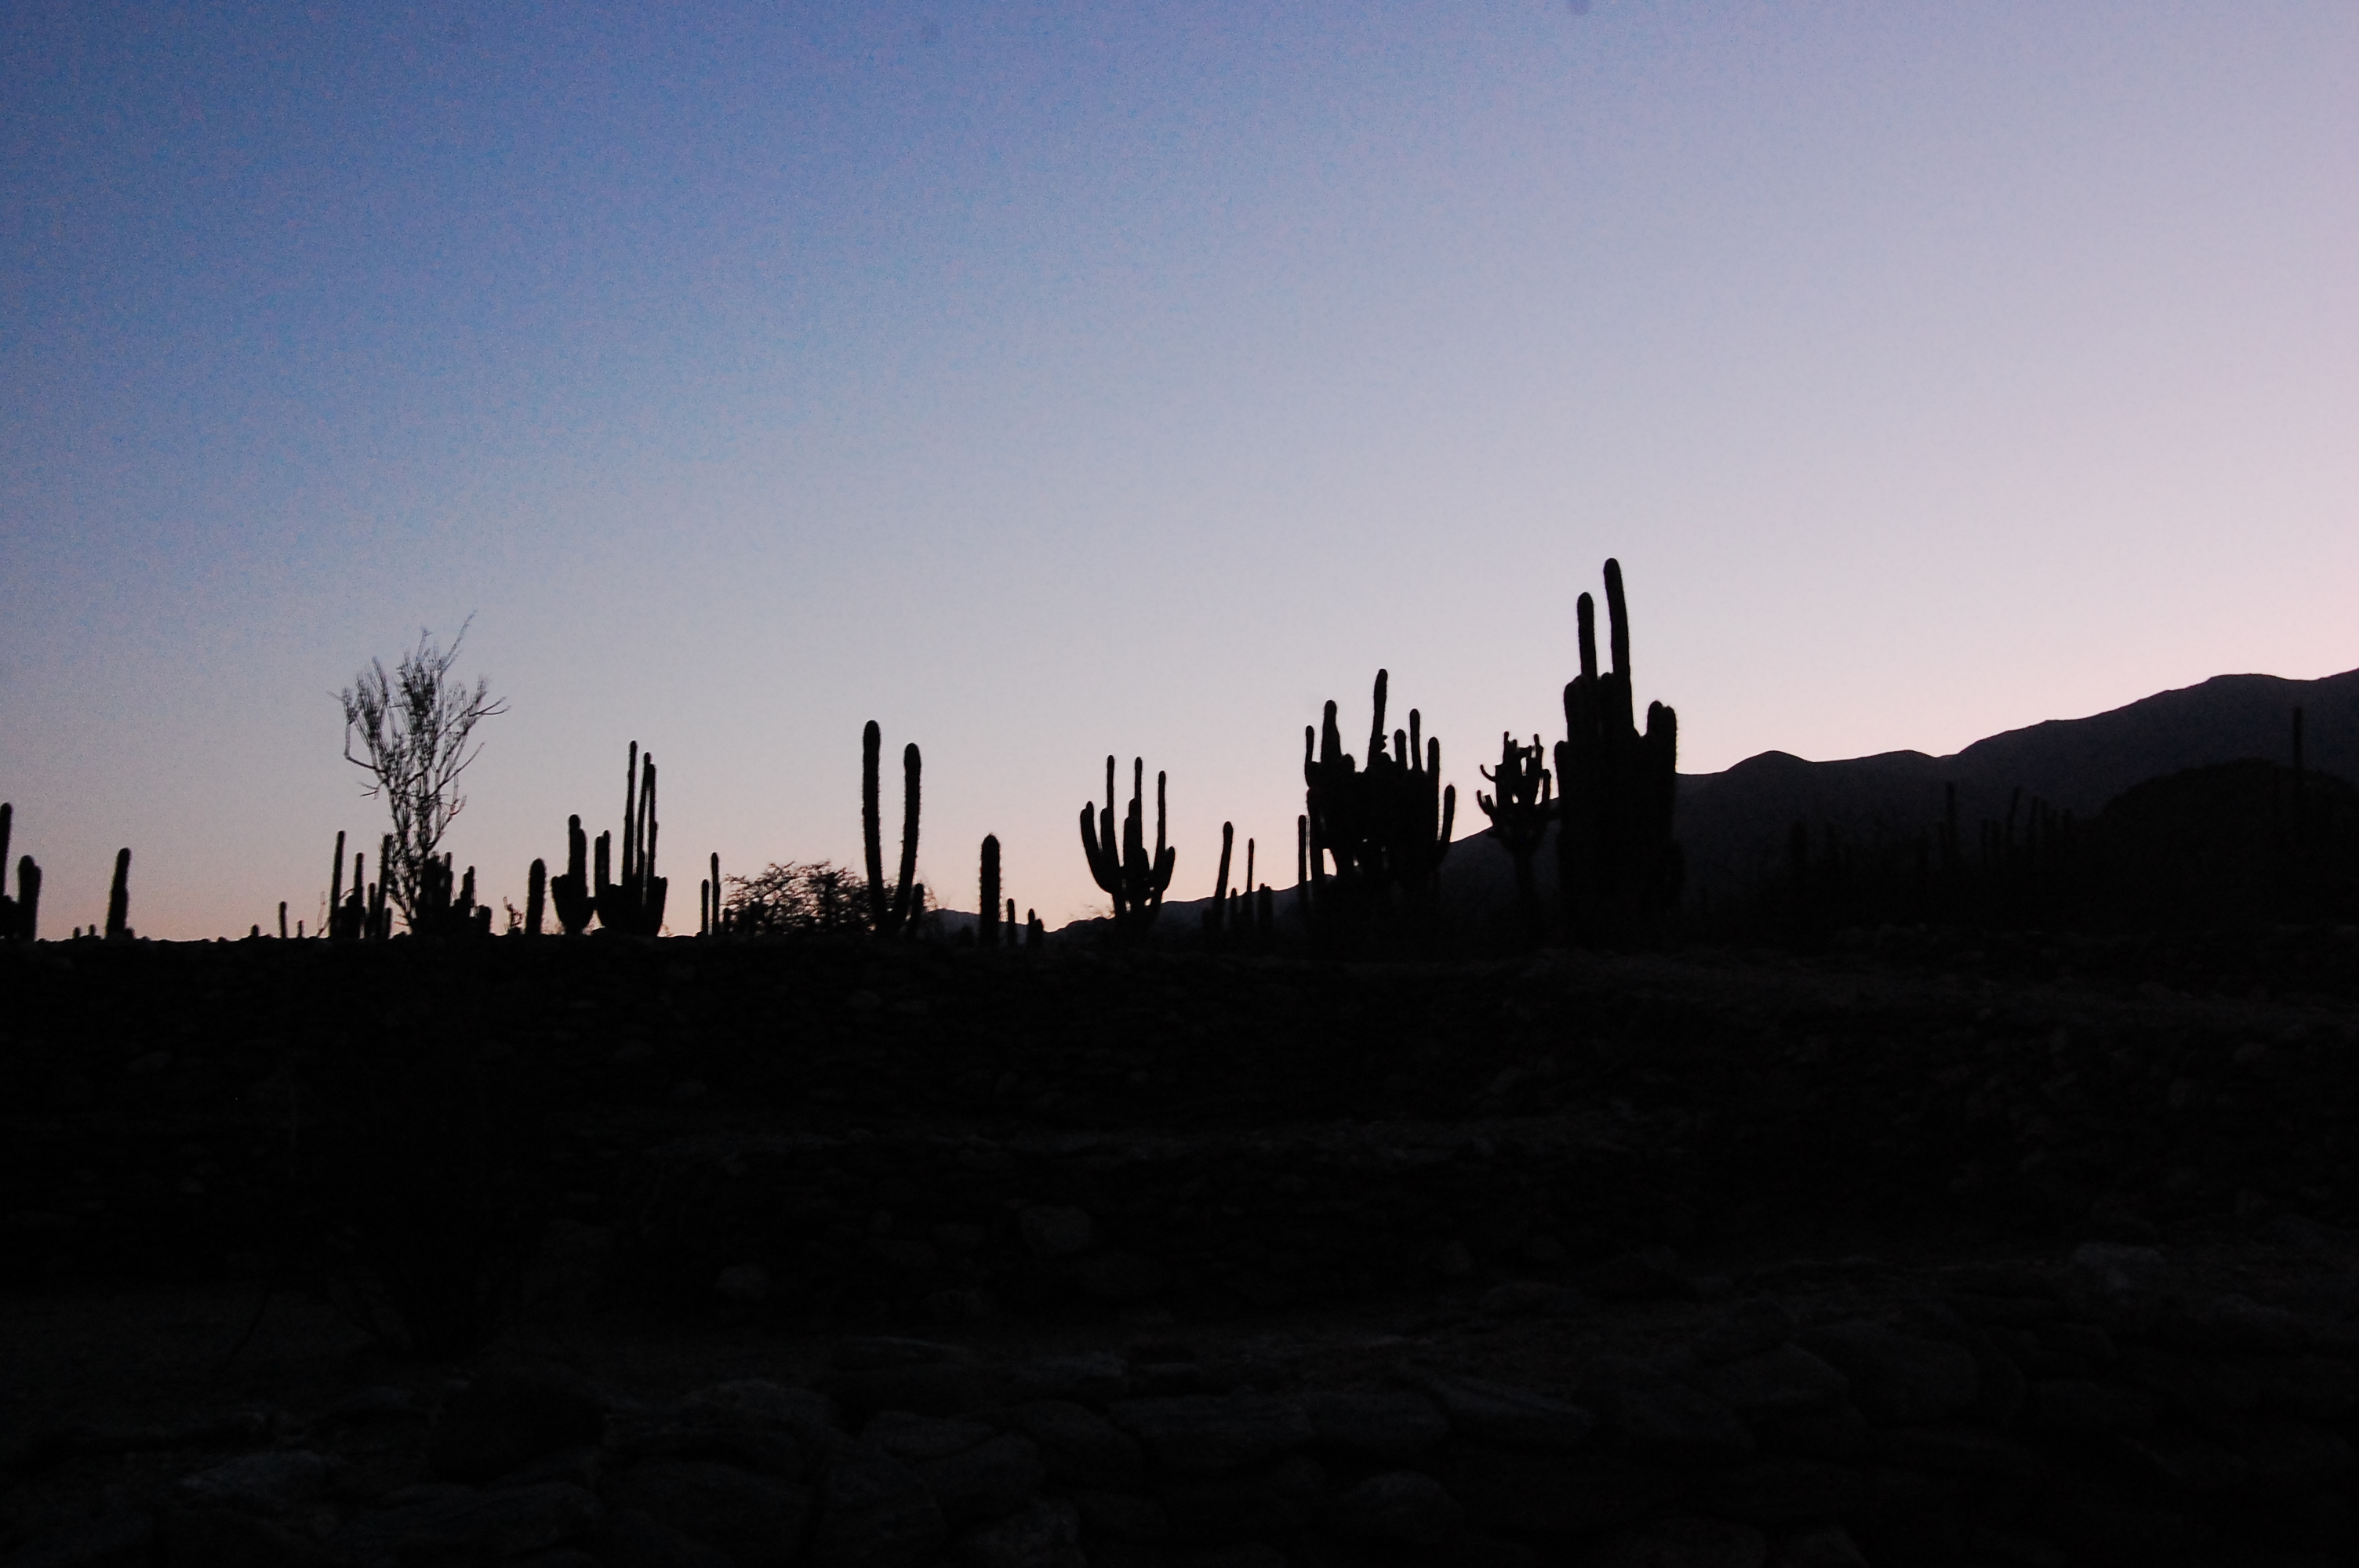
(1051, 380)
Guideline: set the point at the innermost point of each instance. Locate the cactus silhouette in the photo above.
(1618, 868)
(1520, 815)
(571, 894)
(1380, 828)
(987, 906)
(20, 915)
(892, 910)
(536, 896)
(1134, 880)
(118, 900)
(634, 905)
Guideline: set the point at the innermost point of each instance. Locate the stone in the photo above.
(1091, 1378)
(913, 1437)
(506, 1419)
(1044, 1533)
(1820, 1546)
(1782, 1489)
(217, 1537)
(989, 1480)
(1056, 1232)
(1247, 1504)
(757, 1402)
(2082, 1406)
(630, 1539)
(874, 1513)
(2288, 1459)
(745, 1285)
(871, 1353)
(369, 1406)
(1512, 1491)
(1687, 1543)
(1960, 1451)
(1079, 1447)
(1749, 1328)
(463, 1526)
(578, 1467)
(1655, 1417)
(1214, 1432)
(1399, 1506)
(1121, 1277)
(256, 1483)
(116, 1539)
(1375, 1424)
(926, 1387)
(1519, 1418)
(2109, 1278)
(1530, 1298)
(1251, 1554)
(1651, 1274)
(1897, 1378)
(1785, 1379)
(756, 1520)
(1122, 1516)
(732, 1438)
(2184, 1462)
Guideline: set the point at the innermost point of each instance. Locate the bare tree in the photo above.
(411, 730)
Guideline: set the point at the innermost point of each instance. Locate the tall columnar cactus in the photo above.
(1381, 828)
(986, 933)
(1216, 913)
(634, 905)
(20, 915)
(118, 900)
(1133, 879)
(536, 897)
(446, 902)
(1618, 868)
(893, 909)
(572, 894)
(1519, 813)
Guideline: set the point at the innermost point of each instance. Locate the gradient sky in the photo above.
(1046, 379)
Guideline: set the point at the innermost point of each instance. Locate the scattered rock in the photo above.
(1783, 1380)
(1749, 1328)
(1080, 1448)
(1405, 1507)
(1206, 1432)
(756, 1520)
(1053, 1232)
(1095, 1378)
(505, 1419)
(1044, 1533)
(1375, 1423)
(1251, 1503)
(1897, 1378)
(1494, 1412)
(1687, 1543)
(1531, 1298)
(911, 1438)
(257, 1483)
(986, 1481)
(874, 1513)
(466, 1526)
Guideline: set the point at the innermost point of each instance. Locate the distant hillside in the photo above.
(1734, 823)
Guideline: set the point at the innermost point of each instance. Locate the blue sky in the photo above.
(1049, 380)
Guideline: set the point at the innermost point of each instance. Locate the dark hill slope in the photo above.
(1735, 824)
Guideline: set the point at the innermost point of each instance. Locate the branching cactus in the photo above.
(1368, 831)
(1618, 868)
(894, 909)
(1130, 877)
(572, 894)
(633, 905)
(1519, 813)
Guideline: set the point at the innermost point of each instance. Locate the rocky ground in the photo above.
(1926, 1248)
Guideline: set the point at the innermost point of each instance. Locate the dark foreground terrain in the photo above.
(1931, 1249)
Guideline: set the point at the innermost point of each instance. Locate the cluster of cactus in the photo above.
(712, 912)
(893, 910)
(1519, 814)
(20, 918)
(572, 894)
(1369, 831)
(1619, 870)
(364, 911)
(445, 903)
(989, 914)
(1247, 913)
(1131, 878)
(632, 904)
